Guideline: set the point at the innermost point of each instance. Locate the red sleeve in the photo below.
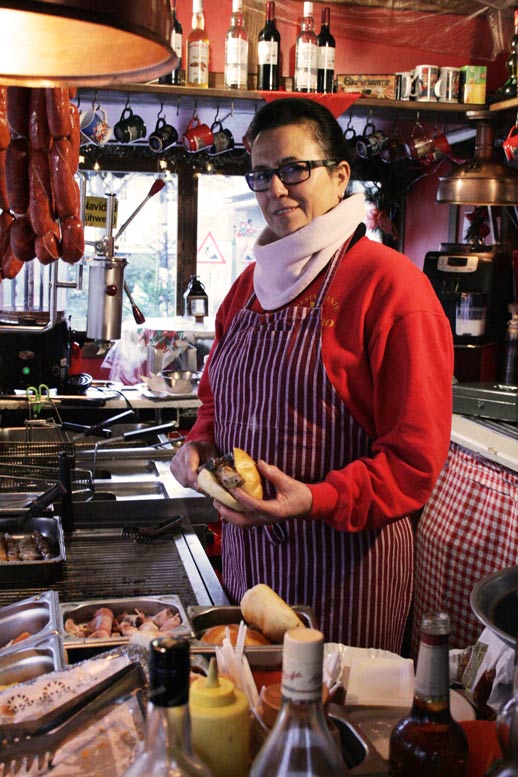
(399, 391)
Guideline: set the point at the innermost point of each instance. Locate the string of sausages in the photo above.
(39, 195)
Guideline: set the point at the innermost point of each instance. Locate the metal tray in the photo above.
(494, 600)
(487, 400)
(267, 656)
(80, 612)
(23, 661)
(50, 526)
(39, 615)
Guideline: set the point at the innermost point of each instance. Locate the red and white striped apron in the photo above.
(273, 398)
(468, 529)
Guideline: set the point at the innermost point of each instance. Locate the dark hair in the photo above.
(300, 110)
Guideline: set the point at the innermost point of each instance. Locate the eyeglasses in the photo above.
(291, 173)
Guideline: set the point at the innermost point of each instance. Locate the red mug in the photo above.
(510, 145)
(197, 136)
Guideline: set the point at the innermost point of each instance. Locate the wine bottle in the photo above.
(300, 742)
(236, 50)
(326, 54)
(197, 70)
(176, 44)
(268, 52)
(428, 742)
(168, 748)
(306, 53)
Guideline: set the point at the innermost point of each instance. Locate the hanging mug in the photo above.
(94, 125)
(163, 136)
(510, 144)
(420, 144)
(368, 146)
(129, 127)
(223, 139)
(197, 136)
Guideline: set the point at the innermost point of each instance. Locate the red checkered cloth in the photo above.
(468, 529)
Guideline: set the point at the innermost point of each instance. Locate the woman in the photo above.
(332, 368)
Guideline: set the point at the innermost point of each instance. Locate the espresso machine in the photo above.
(474, 286)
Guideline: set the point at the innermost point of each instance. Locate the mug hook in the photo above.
(159, 114)
(95, 103)
(126, 104)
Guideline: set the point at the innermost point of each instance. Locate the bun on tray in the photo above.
(233, 470)
(263, 608)
(216, 634)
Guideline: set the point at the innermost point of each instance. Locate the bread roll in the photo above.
(263, 608)
(216, 634)
(230, 471)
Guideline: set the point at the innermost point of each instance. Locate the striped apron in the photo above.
(273, 398)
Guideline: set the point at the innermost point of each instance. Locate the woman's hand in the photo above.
(292, 500)
(188, 458)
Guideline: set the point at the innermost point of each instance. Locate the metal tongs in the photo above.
(23, 744)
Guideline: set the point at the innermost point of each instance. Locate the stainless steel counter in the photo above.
(473, 434)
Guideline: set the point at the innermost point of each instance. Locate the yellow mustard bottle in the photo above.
(220, 724)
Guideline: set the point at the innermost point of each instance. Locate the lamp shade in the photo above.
(481, 181)
(84, 42)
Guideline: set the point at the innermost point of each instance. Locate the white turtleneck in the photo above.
(287, 265)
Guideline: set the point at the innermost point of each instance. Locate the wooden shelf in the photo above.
(247, 100)
(505, 105)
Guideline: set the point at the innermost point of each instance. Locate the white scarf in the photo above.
(286, 266)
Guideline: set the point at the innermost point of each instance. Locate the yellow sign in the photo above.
(95, 213)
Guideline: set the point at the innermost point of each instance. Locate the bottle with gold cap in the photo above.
(220, 724)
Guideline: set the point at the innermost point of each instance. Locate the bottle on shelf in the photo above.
(168, 748)
(300, 742)
(510, 88)
(197, 50)
(236, 50)
(325, 55)
(220, 724)
(306, 53)
(176, 44)
(268, 52)
(510, 356)
(428, 742)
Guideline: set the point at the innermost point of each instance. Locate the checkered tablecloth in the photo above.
(468, 529)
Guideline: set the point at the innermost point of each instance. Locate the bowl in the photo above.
(178, 381)
(494, 600)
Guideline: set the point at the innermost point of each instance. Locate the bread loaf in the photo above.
(216, 634)
(263, 608)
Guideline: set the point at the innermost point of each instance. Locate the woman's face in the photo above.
(287, 208)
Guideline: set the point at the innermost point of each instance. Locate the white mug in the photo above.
(447, 87)
(404, 83)
(425, 79)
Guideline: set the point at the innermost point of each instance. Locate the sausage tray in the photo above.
(82, 612)
(51, 528)
(39, 615)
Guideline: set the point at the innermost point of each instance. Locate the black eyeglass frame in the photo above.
(309, 164)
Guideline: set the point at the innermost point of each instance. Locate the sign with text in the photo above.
(95, 212)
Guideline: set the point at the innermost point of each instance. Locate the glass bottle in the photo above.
(168, 749)
(197, 70)
(268, 52)
(428, 742)
(510, 356)
(300, 743)
(176, 44)
(236, 50)
(306, 53)
(326, 54)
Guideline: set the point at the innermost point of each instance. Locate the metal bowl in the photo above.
(494, 600)
(179, 381)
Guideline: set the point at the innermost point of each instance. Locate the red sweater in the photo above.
(388, 351)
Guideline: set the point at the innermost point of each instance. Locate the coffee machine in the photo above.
(474, 286)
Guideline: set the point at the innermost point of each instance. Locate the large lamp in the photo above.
(481, 181)
(84, 42)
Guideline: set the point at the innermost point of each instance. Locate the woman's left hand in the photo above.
(292, 500)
